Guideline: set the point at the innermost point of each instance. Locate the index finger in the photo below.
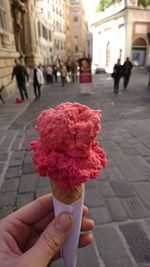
(35, 210)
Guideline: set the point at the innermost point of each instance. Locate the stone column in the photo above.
(128, 51)
(18, 11)
(128, 33)
(29, 34)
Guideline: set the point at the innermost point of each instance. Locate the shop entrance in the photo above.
(139, 52)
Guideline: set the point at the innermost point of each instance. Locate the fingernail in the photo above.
(64, 222)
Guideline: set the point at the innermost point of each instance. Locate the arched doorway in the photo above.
(139, 51)
(108, 54)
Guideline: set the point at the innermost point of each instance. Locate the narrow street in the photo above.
(119, 200)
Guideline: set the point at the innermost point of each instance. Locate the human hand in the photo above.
(31, 237)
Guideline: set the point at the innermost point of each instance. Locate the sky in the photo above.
(90, 6)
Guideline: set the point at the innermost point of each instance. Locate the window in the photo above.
(50, 36)
(44, 32)
(139, 42)
(76, 18)
(57, 26)
(55, 43)
(39, 29)
(2, 18)
(76, 48)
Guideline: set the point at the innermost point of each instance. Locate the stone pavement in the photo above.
(119, 200)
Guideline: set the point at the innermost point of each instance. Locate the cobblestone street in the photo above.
(119, 200)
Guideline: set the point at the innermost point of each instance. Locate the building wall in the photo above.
(7, 46)
(44, 31)
(37, 33)
(89, 45)
(115, 31)
(140, 26)
(68, 21)
(106, 50)
(59, 26)
(49, 33)
(79, 36)
(68, 36)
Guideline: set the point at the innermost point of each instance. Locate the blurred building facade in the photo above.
(37, 34)
(53, 30)
(68, 20)
(89, 45)
(79, 29)
(7, 44)
(59, 29)
(119, 32)
(40, 31)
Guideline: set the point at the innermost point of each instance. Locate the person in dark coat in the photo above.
(55, 71)
(117, 74)
(127, 67)
(21, 75)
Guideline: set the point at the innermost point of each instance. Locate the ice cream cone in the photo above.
(67, 148)
(72, 202)
(66, 197)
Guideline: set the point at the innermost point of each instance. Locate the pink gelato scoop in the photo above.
(67, 150)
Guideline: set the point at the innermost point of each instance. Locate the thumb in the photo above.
(49, 242)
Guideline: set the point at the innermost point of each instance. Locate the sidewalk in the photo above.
(10, 110)
(119, 200)
(9, 113)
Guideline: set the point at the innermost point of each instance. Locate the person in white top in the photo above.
(49, 74)
(37, 79)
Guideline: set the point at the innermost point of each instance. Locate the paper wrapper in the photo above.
(71, 202)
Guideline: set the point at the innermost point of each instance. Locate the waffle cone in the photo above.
(66, 197)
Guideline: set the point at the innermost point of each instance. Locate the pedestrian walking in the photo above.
(55, 70)
(63, 71)
(74, 71)
(40, 66)
(49, 74)
(117, 74)
(37, 79)
(69, 71)
(19, 71)
(127, 67)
